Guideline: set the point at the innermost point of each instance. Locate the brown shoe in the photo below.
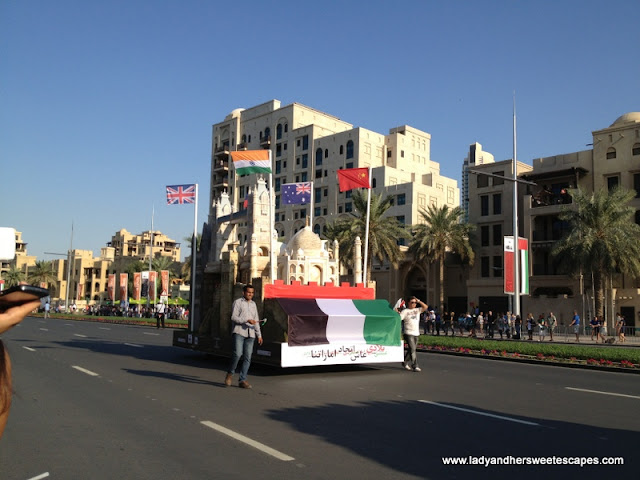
(227, 379)
(244, 384)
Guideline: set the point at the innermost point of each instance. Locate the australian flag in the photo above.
(296, 193)
(180, 194)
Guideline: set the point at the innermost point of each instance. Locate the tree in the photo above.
(13, 276)
(441, 232)
(384, 231)
(163, 263)
(602, 238)
(42, 272)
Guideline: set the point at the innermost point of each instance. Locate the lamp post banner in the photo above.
(164, 281)
(523, 265)
(509, 254)
(124, 287)
(111, 286)
(137, 285)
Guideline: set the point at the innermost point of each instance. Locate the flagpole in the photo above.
(272, 258)
(516, 263)
(366, 236)
(153, 211)
(194, 244)
(311, 208)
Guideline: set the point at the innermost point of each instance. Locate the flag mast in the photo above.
(194, 244)
(366, 236)
(272, 258)
(516, 240)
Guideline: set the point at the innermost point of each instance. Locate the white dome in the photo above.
(630, 117)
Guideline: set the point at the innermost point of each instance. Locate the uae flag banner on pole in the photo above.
(296, 193)
(247, 162)
(523, 265)
(353, 178)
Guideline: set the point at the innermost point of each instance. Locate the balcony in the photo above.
(221, 151)
(243, 146)
(221, 165)
(265, 141)
(547, 199)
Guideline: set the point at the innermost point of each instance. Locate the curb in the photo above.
(584, 366)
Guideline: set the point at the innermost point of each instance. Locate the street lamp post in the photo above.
(68, 255)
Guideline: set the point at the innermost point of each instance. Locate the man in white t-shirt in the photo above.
(411, 318)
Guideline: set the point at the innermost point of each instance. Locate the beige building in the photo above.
(22, 260)
(89, 275)
(613, 160)
(311, 146)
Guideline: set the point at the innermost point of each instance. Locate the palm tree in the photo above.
(441, 232)
(163, 263)
(13, 276)
(602, 237)
(42, 272)
(384, 231)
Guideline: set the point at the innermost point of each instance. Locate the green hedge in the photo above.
(523, 347)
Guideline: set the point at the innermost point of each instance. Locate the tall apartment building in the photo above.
(614, 160)
(310, 145)
(140, 247)
(476, 157)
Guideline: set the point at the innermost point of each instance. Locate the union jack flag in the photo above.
(180, 194)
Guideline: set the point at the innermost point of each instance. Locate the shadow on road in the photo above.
(412, 437)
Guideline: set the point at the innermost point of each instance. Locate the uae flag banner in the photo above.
(510, 257)
(247, 162)
(339, 331)
(353, 178)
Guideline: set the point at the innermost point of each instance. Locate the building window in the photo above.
(388, 153)
(484, 205)
(484, 235)
(277, 201)
(482, 181)
(324, 211)
(279, 132)
(349, 165)
(497, 266)
(325, 192)
(340, 209)
(304, 176)
(612, 182)
(305, 142)
(316, 229)
(347, 194)
(348, 207)
(402, 199)
(278, 169)
(350, 149)
(318, 194)
(341, 149)
(636, 184)
(636, 149)
(484, 266)
(319, 157)
(637, 217)
(319, 173)
(402, 153)
(277, 187)
(498, 181)
(611, 152)
(497, 234)
(373, 183)
(401, 219)
(326, 152)
(286, 127)
(278, 149)
(316, 211)
(497, 203)
(305, 160)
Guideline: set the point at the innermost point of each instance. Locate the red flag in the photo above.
(353, 178)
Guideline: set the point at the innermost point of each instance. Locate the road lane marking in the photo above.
(104, 328)
(602, 393)
(260, 446)
(44, 329)
(484, 414)
(29, 348)
(84, 370)
(149, 333)
(79, 335)
(134, 345)
(41, 476)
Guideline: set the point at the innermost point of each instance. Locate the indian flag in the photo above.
(251, 161)
(324, 321)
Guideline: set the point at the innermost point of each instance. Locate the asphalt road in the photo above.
(101, 401)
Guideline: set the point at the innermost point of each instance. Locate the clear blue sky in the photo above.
(104, 103)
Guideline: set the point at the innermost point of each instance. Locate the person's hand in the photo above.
(14, 315)
(259, 340)
(252, 322)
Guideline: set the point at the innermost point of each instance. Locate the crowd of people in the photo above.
(507, 325)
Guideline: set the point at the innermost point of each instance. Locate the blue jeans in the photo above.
(242, 347)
